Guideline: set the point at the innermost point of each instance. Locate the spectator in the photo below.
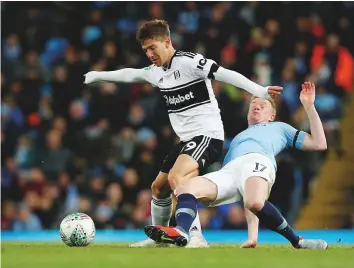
(33, 63)
(25, 154)
(334, 63)
(8, 215)
(130, 187)
(291, 90)
(54, 157)
(26, 221)
(330, 111)
(12, 48)
(10, 180)
(123, 146)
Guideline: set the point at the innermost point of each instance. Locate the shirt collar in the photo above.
(170, 63)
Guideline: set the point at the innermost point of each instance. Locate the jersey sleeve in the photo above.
(294, 137)
(201, 67)
(148, 74)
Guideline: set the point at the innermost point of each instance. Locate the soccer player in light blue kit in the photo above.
(248, 174)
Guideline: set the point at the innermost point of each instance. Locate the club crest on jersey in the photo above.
(177, 75)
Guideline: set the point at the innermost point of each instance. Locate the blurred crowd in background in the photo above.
(69, 147)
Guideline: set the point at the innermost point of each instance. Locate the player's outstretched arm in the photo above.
(317, 139)
(240, 81)
(127, 75)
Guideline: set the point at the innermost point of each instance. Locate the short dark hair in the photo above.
(153, 29)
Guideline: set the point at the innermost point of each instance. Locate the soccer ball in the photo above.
(77, 230)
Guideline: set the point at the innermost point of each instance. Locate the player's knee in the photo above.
(155, 189)
(158, 191)
(174, 180)
(254, 205)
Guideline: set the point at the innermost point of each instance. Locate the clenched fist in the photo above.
(91, 77)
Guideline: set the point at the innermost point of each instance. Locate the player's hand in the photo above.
(249, 244)
(307, 94)
(274, 90)
(91, 77)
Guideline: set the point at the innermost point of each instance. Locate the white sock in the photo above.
(161, 211)
(196, 226)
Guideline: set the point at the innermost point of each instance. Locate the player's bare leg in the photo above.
(184, 168)
(252, 224)
(197, 188)
(255, 193)
(261, 192)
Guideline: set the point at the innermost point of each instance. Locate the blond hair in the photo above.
(271, 100)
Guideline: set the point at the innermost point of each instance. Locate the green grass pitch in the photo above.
(53, 255)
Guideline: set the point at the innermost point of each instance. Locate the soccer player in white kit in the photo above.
(184, 80)
(248, 174)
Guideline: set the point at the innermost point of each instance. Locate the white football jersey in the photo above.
(186, 87)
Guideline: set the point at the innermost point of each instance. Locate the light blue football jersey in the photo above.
(268, 139)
